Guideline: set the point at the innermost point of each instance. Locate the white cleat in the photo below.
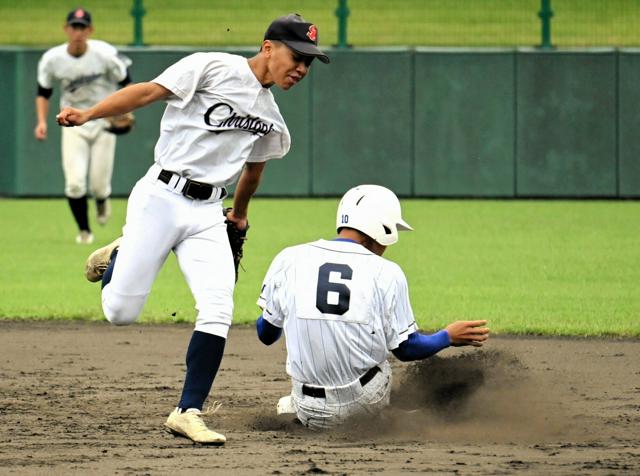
(84, 238)
(189, 424)
(104, 212)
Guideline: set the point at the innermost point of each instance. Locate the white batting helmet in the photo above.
(373, 210)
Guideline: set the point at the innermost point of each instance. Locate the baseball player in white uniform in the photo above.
(343, 309)
(221, 124)
(88, 71)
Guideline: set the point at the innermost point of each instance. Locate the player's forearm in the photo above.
(42, 109)
(247, 186)
(128, 99)
(420, 346)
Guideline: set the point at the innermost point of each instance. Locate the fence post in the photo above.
(342, 12)
(545, 15)
(137, 12)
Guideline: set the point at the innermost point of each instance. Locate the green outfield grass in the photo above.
(548, 267)
(370, 22)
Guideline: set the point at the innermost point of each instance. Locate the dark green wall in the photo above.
(424, 122)
(8, 122)
(39, 164)
(361, 120)
(629, 125)
(464, 124)
(566, 124)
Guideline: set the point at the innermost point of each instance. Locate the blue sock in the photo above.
(106, 277)
(203, 360)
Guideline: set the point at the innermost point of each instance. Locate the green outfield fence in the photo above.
(426, 122)
(570, 23)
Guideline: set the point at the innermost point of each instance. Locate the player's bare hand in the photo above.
(240, 222)
(467, 333)
(41, 131)
(69, 117)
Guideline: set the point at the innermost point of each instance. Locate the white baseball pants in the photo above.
(344, 402)
(88, 150)
(160, 220)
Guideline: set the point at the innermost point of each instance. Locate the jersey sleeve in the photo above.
(273, 289)
(189, 75)
(115, 64)
(399, 318)
(117, 68)
(274, 145)
(45, 71)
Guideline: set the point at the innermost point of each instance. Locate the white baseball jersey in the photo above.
(342, 307)
(219, 118)
(84, 80)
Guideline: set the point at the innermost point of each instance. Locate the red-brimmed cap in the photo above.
(297, 34)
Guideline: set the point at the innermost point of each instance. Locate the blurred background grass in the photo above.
(548, 267)
(370, 23)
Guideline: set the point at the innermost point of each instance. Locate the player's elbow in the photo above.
(267, 332)
(400, 354)
(265, 340)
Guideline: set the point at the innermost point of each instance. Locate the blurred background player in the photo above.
(88, 71)
(344, 308)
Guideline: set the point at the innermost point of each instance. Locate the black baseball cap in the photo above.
(297, 34)
(79, 16)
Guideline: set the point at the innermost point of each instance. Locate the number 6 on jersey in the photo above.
(333, 297)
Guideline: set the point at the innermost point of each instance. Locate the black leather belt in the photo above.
(318, 392)
(193, 189)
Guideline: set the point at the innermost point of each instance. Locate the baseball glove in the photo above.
(237, 238)
(120, 124)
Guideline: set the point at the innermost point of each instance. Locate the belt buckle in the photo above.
(191, 187)
(186, 190)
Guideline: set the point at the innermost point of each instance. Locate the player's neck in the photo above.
(77, 49)
(259, 68)
(362, 239)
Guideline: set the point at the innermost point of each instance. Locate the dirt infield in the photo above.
(88, 398)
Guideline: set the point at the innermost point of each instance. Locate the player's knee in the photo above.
(101, 191)
(75, 190)
(214, 319)
(119, 317)
(121, 310)
(215, 305)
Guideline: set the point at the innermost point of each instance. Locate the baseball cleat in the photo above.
(189, 424)
(104, 211)
(98, 261)
(84, 237)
